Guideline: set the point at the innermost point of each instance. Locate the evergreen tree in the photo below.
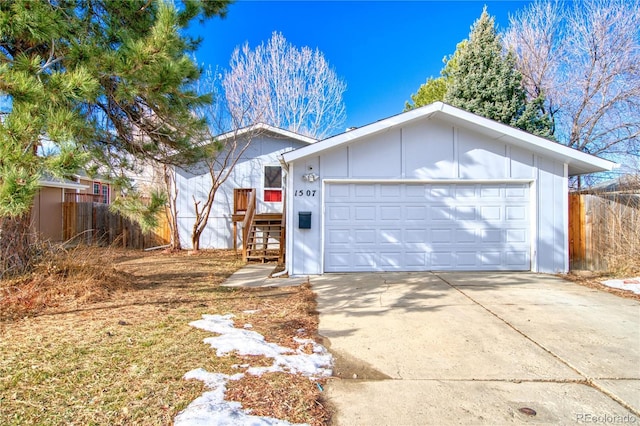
(485, 81)
(431, 91)
(434, 89)
(101, 79)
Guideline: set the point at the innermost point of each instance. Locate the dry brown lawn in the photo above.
(101, 336)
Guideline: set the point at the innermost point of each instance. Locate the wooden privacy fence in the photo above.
(95, 224)
(604, 231)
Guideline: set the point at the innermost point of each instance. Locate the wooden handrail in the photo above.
(248, 220)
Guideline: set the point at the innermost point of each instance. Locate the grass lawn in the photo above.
(101, 336)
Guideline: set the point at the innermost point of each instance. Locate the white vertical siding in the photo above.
(436, 162)
(479, 158)
(248, 173)
(306, 250)
(378, 156)
(552, 231)
(335, 163)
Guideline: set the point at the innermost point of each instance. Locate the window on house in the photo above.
(273, 184)
(105, 194)
(101, 191)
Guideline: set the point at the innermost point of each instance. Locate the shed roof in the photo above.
(578, 161)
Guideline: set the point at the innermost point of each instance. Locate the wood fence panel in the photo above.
(577, 243)
(94, 224)
(604, 231)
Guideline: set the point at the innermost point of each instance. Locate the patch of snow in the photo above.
(244, 342)
(210, 407)
(252, 311)
(632, 284)
(247, 326)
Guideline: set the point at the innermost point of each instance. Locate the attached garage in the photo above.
(436, 188)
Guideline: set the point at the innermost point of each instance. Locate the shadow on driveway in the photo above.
(477, 347)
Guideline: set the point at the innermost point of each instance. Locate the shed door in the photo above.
(422, 227)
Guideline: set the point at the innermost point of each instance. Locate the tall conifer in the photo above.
(486, 82)
(106, 80)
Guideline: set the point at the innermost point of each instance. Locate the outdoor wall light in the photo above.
(310, 177)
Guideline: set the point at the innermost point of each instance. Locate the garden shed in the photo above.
(435, 188)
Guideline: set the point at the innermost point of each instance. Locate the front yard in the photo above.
(112, 346)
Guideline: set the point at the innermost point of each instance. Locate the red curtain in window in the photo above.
(273, 195)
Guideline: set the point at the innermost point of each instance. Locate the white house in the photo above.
(435, 188)
(258, 168)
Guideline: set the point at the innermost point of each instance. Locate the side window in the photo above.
(273, 184)
(105, 193)
(101, 192)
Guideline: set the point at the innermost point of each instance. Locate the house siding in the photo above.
(193, 185)
(46, 213)
(424, 151)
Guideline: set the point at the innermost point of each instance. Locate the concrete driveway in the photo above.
(478, 348)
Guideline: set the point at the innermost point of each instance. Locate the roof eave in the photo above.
(62, 185)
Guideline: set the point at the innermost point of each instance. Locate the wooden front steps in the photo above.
(265, 237)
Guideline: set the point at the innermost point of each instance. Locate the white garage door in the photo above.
(422, 227)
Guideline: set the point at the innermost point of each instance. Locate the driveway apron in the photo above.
(478, 348)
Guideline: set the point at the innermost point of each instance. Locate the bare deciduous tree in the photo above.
(584, 57)
(275, 84)
(286, 87)
(225, 153)
(224, 142)
(535, 36)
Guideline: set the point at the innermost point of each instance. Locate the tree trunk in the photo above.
(195, 240)
(173, 227)
(15, 244)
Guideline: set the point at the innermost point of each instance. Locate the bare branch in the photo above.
(585, 58)
(286, 87)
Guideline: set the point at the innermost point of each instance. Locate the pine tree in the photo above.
(101, 79)
(485, 81)
(434, 89)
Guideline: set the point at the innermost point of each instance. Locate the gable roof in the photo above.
(265, 128)
(579, 162)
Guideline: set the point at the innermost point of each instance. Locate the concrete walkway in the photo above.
(257, 275)
(478, 348)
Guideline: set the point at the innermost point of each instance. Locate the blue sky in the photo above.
(383, 50)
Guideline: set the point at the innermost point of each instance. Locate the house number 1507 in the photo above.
(302, 193)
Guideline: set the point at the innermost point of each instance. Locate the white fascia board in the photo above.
(265, 128)
(63, 185)
(579, 162)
